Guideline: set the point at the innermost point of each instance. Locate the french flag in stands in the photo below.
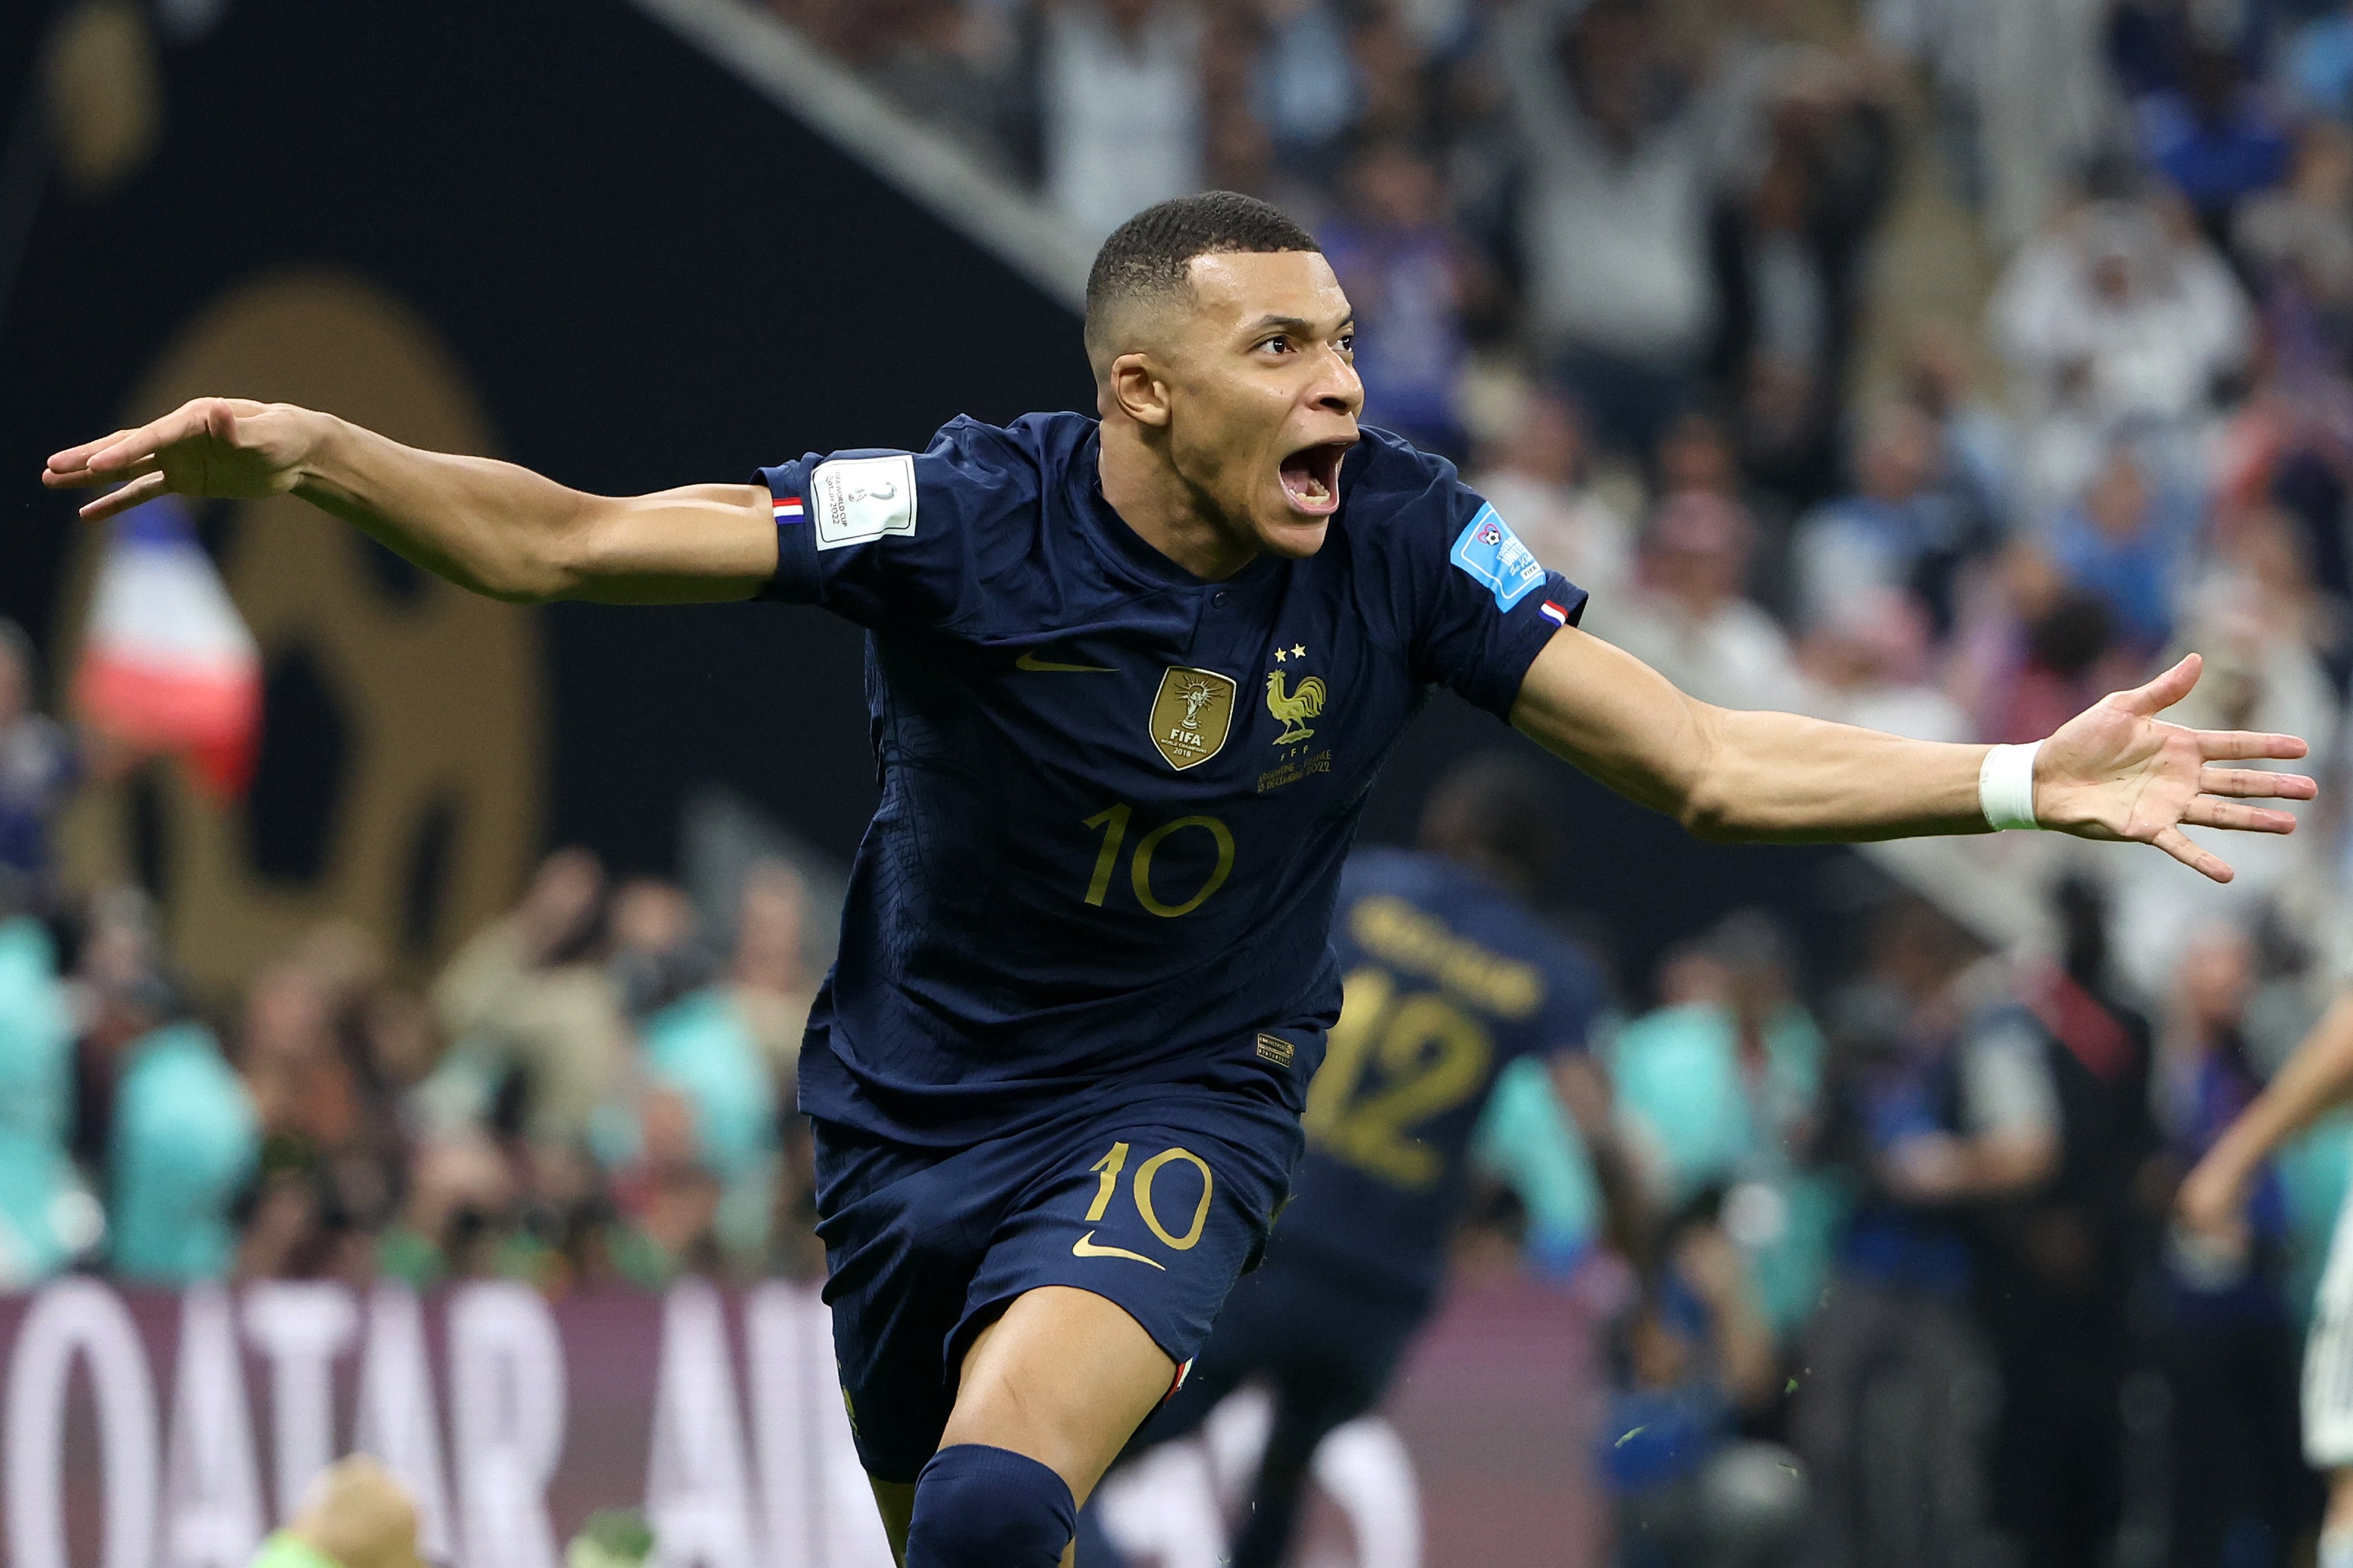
(167, 664)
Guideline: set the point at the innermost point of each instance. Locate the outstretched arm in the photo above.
(2114, 771)
(2316, 1079)
(489, 526)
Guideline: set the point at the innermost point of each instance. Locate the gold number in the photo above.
(1144, 1176)
(1140, 873)
(1432, 1058)
(1114, 822)
(1111, 1165)
(1364, 998)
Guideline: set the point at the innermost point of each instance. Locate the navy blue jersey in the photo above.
(1449, 980)
(1115, 797)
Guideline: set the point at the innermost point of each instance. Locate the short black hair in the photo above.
(1499, 811)
(1151, 253)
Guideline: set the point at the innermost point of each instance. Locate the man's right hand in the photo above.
(232, 447)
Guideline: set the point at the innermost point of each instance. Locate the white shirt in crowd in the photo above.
(1123, 112)
(1617, 246)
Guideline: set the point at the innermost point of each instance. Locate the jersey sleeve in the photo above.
(894, 540)
(1475, 604)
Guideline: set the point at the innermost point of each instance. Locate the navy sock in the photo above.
(978, 1507)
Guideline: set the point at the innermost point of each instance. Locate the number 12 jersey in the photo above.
(1116, 798)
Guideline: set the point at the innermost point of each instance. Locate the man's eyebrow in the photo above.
(1298, 324)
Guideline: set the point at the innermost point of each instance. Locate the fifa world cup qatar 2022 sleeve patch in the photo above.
(1491, 554)
(855, 501)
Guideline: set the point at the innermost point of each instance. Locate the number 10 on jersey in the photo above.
(1112, 823)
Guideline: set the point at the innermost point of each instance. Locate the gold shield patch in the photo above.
(1191, 714)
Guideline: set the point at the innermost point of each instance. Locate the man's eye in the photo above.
(1347, 342)
(1278, 343)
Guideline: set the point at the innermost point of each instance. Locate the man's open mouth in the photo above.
(1311, 478)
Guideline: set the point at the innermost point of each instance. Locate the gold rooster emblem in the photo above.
(1293, 706)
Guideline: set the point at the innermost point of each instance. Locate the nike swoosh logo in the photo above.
(1085, 1248)
(1031, 661)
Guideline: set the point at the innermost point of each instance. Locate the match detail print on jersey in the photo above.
(855, 501)
(1191, 715)
(1491, 552)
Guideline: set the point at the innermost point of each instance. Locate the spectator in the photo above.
(1867, 664)
(1907, 528)
(2124, 542)
(1946, 1105)
(2062, 1271)
(1535, 476)
(1408, 275)
(37, 768)
(44, 1210)
(1121, 108)
(1939, 378)
(2111, 318)
(2215, 139)
(529, 999)
(1720, 1089)
(2231, 1344)
(1306, 93)
(1686, 617)
(1787, 253)
(184, 1145)
(1687, 1363)
(1621, 169)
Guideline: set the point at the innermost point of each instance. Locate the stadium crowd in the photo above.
(1898, 1227)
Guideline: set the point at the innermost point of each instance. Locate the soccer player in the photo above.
(2213, 1205)
(1460, 1004)
(1131, 680)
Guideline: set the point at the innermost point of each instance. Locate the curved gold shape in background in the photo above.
(441, 694)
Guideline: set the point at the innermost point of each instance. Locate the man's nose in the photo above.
(1338, 389)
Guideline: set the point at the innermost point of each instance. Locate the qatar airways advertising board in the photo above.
(148, 1430)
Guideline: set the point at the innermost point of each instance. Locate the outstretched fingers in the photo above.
(2255, 783)
(145, 487)
(2247, 745)
(70, 468)
(2203, 861)
(2209, 810)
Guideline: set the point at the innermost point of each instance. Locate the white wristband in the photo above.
(2006, 786)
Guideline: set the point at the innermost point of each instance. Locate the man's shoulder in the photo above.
(1386, 471)
(1046, 442)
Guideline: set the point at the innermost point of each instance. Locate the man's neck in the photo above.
(1165, 511)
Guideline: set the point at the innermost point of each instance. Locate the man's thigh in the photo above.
(1154, 1210)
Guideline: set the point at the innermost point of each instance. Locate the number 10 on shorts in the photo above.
(1107, 1172)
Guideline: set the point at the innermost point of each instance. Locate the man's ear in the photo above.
(1138, 390)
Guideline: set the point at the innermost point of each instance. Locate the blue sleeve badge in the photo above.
(1490, 552)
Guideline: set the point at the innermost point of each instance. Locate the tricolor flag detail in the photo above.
(167, 664)
(788, 509)
(1554, 612)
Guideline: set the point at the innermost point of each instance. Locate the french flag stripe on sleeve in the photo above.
(788, 509)
(1554, 613)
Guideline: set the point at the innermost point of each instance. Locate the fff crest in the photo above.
(1191, 714)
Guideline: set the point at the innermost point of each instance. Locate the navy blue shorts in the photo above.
(1159, 1205)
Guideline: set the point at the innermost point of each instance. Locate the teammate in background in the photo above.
(1131, 681)
(2212, 1208)
(1455, 989)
